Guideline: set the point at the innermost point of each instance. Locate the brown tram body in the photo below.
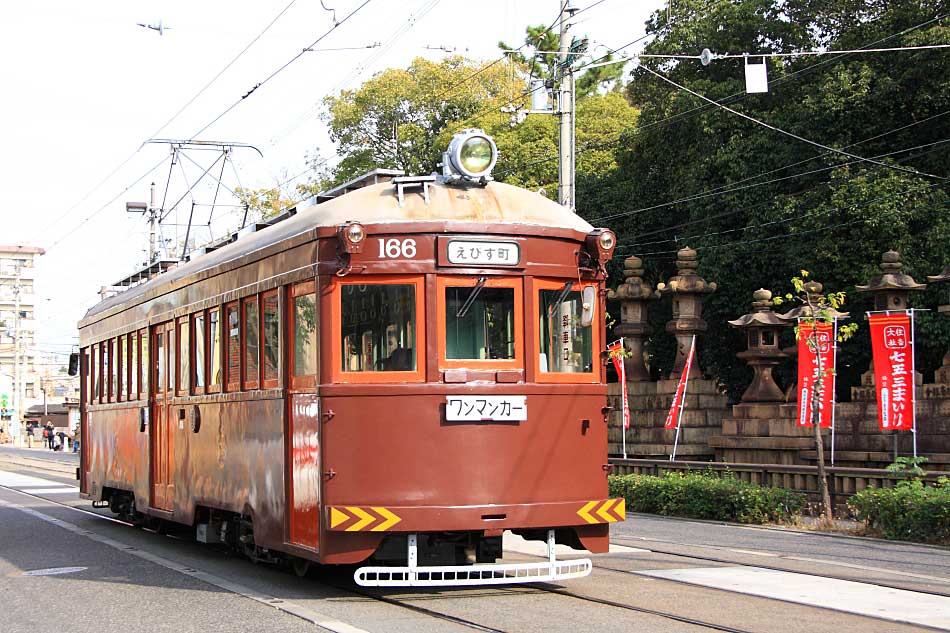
(333, 439)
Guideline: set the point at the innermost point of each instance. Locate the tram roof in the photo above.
(375, 205)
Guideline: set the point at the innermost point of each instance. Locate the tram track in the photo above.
(290, 607)
(790, 569)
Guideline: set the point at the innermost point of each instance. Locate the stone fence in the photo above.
(761, 428)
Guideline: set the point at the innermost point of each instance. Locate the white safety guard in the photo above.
(455, 575)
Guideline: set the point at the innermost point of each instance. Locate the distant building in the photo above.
(16, 278)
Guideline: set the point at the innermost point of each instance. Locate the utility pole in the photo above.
(17, 378)
(565, 190)
(153, 219)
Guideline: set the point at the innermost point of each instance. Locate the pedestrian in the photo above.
(62, 440)
(49, 435)
(77, 436)
(29, 435)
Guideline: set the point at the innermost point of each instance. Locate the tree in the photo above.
(818, 309)
(758, 205)
(395, 119)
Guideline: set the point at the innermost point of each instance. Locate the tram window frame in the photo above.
(133, 346)
(513, 283)
(309, 379)
(213, 347)
(249, 382)
(120, 367)
(198, 360)
(159, 365)
(184, 360)
(109, 369)
(85, 371)
(593, 376)
(95, 380)
(336, 372)
(266, 381)
(145, 379)
(232, 372)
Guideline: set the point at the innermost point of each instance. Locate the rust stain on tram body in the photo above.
(285, 454)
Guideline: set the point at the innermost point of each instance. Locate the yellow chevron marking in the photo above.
(337, 517)
(390, 519)
(583, 512)
(621, 509)
(365, 519)
(603, 514)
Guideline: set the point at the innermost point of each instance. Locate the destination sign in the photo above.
(485, 408)
(483, 253)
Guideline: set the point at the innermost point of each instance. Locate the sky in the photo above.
(85, 86)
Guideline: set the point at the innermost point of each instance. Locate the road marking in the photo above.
(53, 571)
(57, 490)
(320, 619)
(897, 605)
(16, 480)
(514, 543)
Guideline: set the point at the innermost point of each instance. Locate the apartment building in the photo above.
(16, 289)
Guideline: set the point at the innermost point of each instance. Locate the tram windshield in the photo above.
(479, 323)
(566, 345)
(378, 327)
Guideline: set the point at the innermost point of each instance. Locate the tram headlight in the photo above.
(471, 156)
(600, 244)
(351, 236)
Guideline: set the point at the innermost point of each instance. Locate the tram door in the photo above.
(303, 417)
(163, 344)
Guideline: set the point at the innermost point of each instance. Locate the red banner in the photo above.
(816, 339)
(673, 418)
(616, 355)
(892, 346)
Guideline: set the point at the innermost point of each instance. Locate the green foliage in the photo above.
(910, 511)
(759, 206)
(707, 496)
(908, 466)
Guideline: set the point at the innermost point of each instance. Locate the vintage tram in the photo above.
(394, 375)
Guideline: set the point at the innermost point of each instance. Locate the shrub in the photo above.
(910, 511)
(706, 496)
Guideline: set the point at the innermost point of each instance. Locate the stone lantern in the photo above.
(891, 288)
(687, 288)
(763, 354)
(943, 373)
(633, 295)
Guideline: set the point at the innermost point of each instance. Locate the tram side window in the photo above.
(378, 327)
(271, 339)
(252, 348)
(160, 365)
(184, 359)
(143, 362)
(566, 345)
(214, 349)
(233, 323)
(106, 370)
(94, 374)
(305, 333)
(134, 366)
(479, 327)
(87, 375)
(120, 368)
(172, 365)
(199, 336)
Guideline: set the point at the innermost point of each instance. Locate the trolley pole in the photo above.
(566, 112)
(152, 223)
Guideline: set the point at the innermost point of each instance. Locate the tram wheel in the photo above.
(301, 566)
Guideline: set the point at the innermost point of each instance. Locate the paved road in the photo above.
(143, 581)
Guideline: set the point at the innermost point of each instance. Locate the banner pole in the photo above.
(679, 419)
(913, 384)
(834, 395)
(623, 402)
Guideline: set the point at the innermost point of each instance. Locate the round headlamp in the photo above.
(472, 154)
(606, 240)
(355, 233)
